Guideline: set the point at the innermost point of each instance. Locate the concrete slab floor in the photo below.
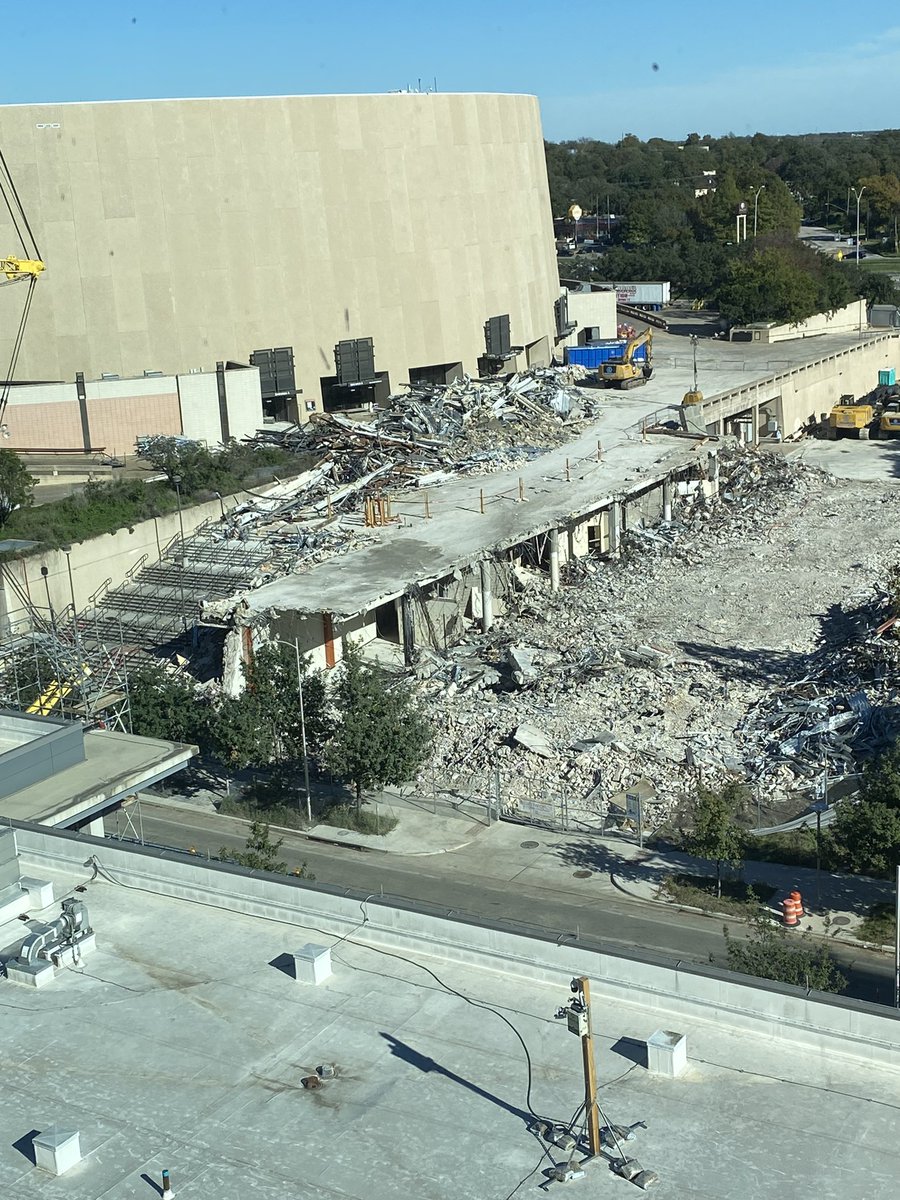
(182, 1044)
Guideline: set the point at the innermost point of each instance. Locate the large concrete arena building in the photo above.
(178, 233)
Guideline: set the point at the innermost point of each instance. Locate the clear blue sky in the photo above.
(719, 66)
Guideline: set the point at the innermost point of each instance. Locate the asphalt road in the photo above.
(555, 909)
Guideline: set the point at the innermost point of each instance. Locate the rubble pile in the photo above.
(438, 430)
(604, 704)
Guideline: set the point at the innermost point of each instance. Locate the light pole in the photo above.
(858, 195)
(179, 562)
(761, 188)
(295, 645)
(176, 480)
(67, 551)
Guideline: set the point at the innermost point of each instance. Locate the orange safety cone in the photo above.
(789, 911)
(798, 900)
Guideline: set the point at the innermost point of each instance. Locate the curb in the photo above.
(704, 912)
(307, 834)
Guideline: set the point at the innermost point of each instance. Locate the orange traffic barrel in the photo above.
(789, 911)
(798, 900)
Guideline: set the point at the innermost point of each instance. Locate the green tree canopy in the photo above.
(381, 737)
(16, 485)
(771, 953)
(261, 853)
(715, 835)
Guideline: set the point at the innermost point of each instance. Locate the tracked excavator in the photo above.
(625, 371)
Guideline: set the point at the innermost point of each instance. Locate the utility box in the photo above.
(312, 964)
(56, 1150)
(667, 1053)
(887, 378)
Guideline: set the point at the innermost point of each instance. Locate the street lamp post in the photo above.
(67, 551)
(176, 480)
(858, 195)
(295, 645)
(761, 188)
(179, 562)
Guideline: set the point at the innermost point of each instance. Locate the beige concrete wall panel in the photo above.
(244, 400)
(259, 222)
(128, 298)
(39, 426)
(199, 399)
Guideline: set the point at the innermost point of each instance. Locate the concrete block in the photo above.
(667, 1053)
(57, 1150)
(31, 974)
(13, 902)
(40, 892)
(312, 964)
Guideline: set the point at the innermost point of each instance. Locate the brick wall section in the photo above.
(51, 426)
(117, 420)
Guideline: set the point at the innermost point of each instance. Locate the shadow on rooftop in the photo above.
(151, 1182)
(428, 1066)
(25, 1146)
(633, 1049)
(284, 963)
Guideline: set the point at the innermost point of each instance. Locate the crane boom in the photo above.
(20, 268)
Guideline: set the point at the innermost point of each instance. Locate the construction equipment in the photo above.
(17, 269)
(626, 371)
(850, 416)
(889, 424)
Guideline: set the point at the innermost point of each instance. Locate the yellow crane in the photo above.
(17, 269)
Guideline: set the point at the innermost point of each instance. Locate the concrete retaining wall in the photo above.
(842, 320)
(845, 1027)
(109, 557)
(801, 395)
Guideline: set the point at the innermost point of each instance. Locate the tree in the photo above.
(764, 286)
(261, 853)
(865, 834)
(715, 835)
(167, 706)
(16, 485)
(884, 192)
(768, 954)
(263, 724)
(381, 737)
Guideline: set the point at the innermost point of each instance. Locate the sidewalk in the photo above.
(422, 828)
(833, 904)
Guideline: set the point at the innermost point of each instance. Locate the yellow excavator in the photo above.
(624, 371)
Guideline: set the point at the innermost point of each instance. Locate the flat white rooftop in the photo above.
(182, 1043)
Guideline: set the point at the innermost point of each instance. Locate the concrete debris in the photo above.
(615, 700)
(533, 739)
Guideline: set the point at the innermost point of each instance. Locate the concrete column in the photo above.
(487, 597)
(712, 471)
(94, 828)
(614, 520)
(407, 629)
(754, 425)
(667, 500)
(554, 560)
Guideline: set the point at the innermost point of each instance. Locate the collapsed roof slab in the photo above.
(457, 533)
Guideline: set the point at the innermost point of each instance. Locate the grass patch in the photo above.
(363, 820)
(878, 925)
(284, 816)
(738, 899)
(265, 801)
(880, 266)
(105, 507)
(795, 848)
